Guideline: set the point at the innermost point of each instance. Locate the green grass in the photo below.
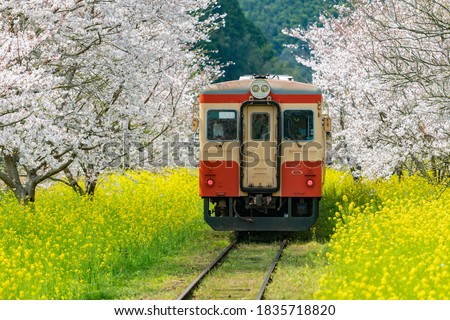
(241, 274)
(167, 279)
(301, 267)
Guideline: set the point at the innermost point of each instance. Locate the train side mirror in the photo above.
(327, 123)
(194, 125)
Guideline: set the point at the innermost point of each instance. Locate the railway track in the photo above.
(188, 292)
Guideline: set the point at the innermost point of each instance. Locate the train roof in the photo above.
(280, 85)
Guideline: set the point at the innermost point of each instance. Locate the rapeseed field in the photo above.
(69, 247)
(388, 239)
(392, 241)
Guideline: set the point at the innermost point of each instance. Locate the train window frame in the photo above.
(208, 127)
(310, 136)
(267, 135)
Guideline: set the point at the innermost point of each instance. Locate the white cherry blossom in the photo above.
(76, 74)
(385, 70)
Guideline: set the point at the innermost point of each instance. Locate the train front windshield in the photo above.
(221, 125)
(298, 125)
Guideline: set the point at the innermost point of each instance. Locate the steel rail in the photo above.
(188, 291)
(272, 268)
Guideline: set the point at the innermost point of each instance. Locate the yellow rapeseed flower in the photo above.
(67, 245)
(400, 245)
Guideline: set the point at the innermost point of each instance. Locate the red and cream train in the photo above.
(262, 154)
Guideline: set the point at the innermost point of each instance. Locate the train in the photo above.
(262, 153)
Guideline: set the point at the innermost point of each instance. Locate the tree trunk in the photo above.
(91, 183)
(24, 192)
(91, 179)
(73, 183)
(25, 188)
(399, 172)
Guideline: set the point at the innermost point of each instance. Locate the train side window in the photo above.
(221, 125)
(298, 125)
(260, 126)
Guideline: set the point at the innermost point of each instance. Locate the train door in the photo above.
(259, 165)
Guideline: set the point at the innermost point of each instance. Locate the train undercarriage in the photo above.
(260, 212)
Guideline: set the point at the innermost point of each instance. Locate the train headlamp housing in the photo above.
(260, 89)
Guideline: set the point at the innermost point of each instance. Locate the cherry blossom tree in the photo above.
(75, 74)
(384, 67)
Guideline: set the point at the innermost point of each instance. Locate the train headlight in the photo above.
(260, 89)
(265, 88)
(210, 182)
(310, 183)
